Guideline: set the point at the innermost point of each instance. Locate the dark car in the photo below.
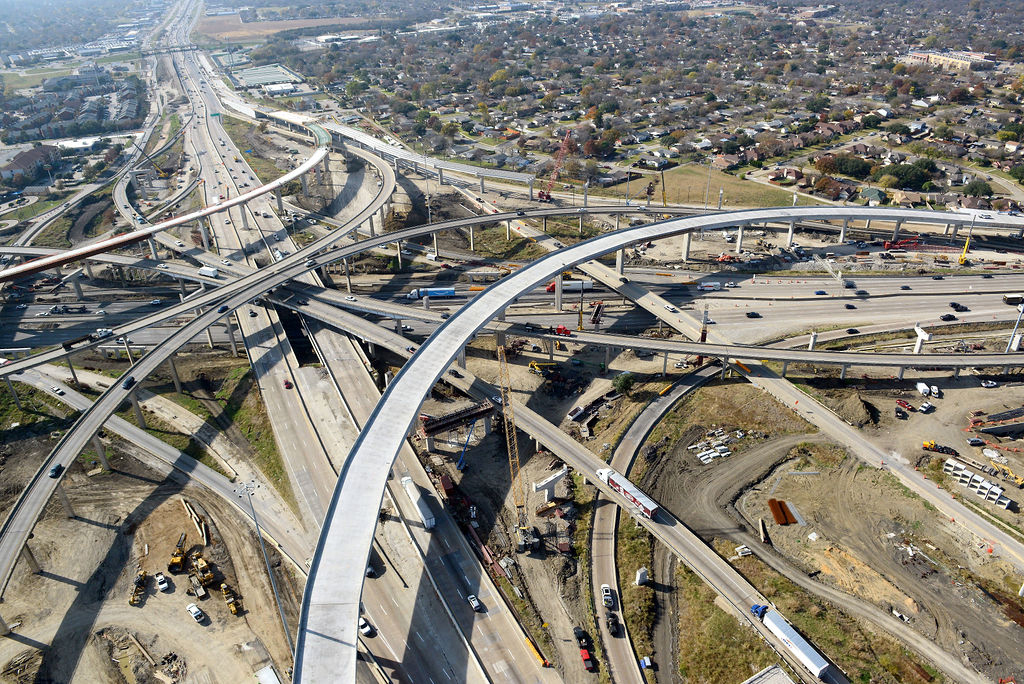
(753, 314)
(852, 331)
(820, 292)
(850, 306)
(986, 275)
(904, 287)
(222, 308)
(129, 382)
(937, 277)
(56, 470)
(947, 317)
(613, 624)
(954, 305)
(861, 293)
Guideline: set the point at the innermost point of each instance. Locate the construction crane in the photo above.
(545, 194)
(160, 172)
(524, 535)
(967, 243)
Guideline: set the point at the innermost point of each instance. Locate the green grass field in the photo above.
(688, 184)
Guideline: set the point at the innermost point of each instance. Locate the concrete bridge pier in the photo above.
(586, 188)
(78, 287)
(174, 374)
(607, 357)
(327, 165)
(280, 203)
(739, 239)
(785, 367)
(398, 326)
(482, 185)
(956, 372)
(65, 503)
(558, 292)
(231, 336)
(29, 557)
(896, 230)
(181, 286)
(899, 373)
(508, 230)
(245, 217)
(531, 189)
(137, 408)
(461, 359)
(687, 239)
(71, 367)
(88, 269)
(620, 256)
(472, 236)
(581, 224)
(544, 224)
(842, 231)
(305, 184)
(152, 248)
(440, 176)
(811, 342)
(550, 344)
(725, 367)
(204, 232)
(956, 229)
(789, 234)
(664, 365)
(348, 275)
(842, 372)
(398, 253)
(616, 222)
(101, 452)
(14, 393)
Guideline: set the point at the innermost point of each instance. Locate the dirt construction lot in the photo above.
(72, 621)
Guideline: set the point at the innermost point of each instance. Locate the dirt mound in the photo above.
(855, 410)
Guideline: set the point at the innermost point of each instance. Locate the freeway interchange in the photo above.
(325, 650)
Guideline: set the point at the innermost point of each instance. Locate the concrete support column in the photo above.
(508, 230)
(481, 185)
(245, 217)
(814, 338)
(461, 359)
(664, 365)
(531, 189)
(373, 231)
(842, 372)
(551, 349)
(398, 253)
(725, 367)
(558, 292)
(945, 230)
(398, 326)
(616, 222)
(687, 238)
(65, 502)
(305, 184)
(88, 270)
(899, 375)
(78, 288)
(440, 176)
(867, 224)
(581, 224)
(620, 256)
(152, 248)
(499, 338)
(586, 188)
(428, 444)
(956, 372)
(842, 231)
(348, 275)
(29, 557)
(434, 239)
(487, 425)
(544, 224)
(14, 393)
(785, 367)
(896, 230)
(101, 452)
(174, 374)
(327, 165)
(789, 235)
(209, 336)
(71, 367)
(472, 235)
(739, 239)
(607, 357)
(280, 203)
(137, 408)
(205, 233)
(231, 336)
(956, 229)
(181, 286)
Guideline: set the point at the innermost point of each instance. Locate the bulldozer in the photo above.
(177, 563)
(234, 603)
(201, 569)
(138, 588)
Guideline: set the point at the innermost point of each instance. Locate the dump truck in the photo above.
(177, 563)
(197, 587)
(138, 588)
(229, 597)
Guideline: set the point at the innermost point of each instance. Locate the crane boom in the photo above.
(510, 433)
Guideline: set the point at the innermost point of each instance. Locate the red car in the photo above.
(588, 664)
(287, 384)
(904, 405)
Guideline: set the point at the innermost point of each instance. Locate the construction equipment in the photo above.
(967, 243)
(524, 534)
(201, 569)
(178, 556)
(197, 587)
(545, 194)
(930, 445)
(1007, 474)
(462, 457)
(138, 588)
(234, 603)
(160, 172)
(541, 367)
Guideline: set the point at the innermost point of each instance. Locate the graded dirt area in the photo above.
(231, 28)
(71, 621)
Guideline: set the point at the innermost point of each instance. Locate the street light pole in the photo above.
(246, 489)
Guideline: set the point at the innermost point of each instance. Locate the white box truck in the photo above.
(208, 272)
(426, 515)
(923, 389)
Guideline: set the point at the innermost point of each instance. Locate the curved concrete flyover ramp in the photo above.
(325, 650)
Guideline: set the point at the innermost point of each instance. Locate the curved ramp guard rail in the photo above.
(326, 644)
(71, 255)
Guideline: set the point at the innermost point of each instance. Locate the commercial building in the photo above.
(959, 61)
(29, 163)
